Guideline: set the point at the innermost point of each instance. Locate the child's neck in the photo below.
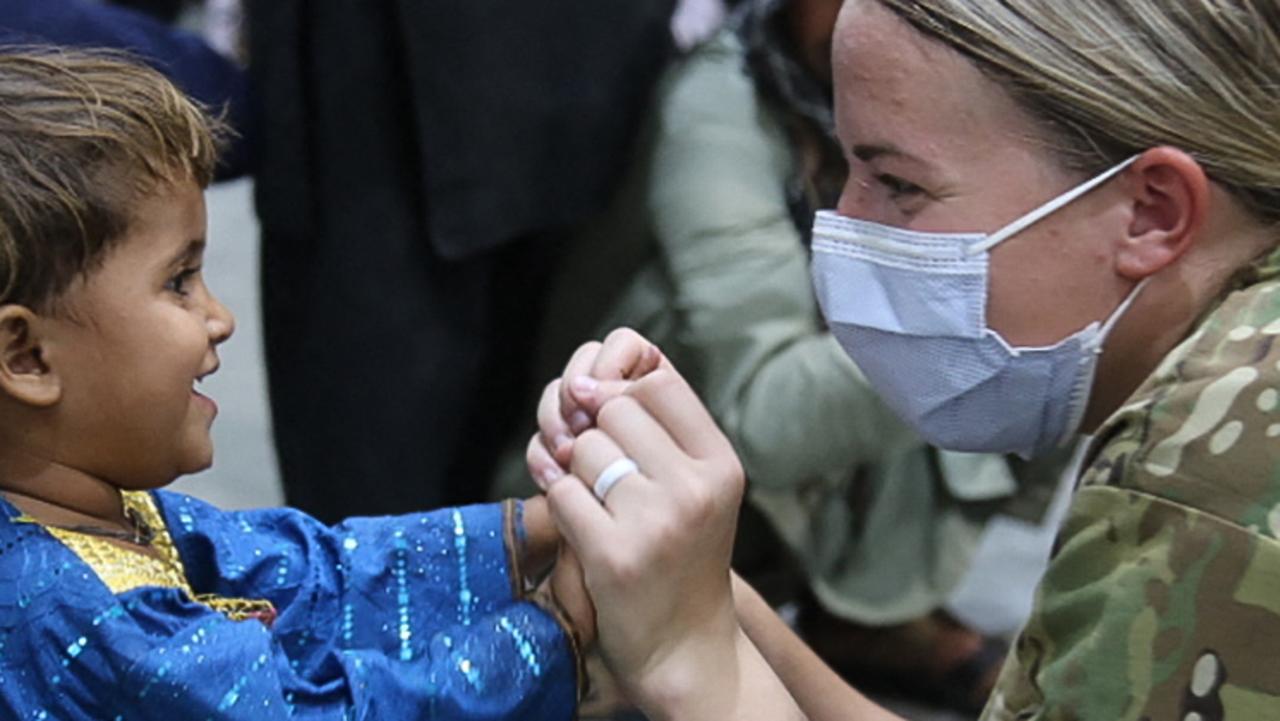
(56, 493)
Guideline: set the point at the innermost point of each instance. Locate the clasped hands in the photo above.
(646, 569)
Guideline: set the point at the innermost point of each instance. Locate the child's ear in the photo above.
(24, 374)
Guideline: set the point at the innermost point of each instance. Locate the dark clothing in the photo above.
(204, 74)
(419, 161)
(167, 11)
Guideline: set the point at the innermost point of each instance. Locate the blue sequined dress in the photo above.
(270, 615)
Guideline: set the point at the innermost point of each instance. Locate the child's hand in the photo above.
(596, 373)
(541, 540)
(563, 589)
(569, 590)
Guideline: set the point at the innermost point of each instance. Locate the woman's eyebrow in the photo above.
(866, 152)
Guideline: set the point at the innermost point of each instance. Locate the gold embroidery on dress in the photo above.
(122, 569)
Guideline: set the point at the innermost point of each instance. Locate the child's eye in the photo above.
(179, 283)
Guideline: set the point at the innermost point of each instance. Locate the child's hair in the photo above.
(83, 136)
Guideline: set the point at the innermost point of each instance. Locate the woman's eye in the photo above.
(898, 188)
(178, 283)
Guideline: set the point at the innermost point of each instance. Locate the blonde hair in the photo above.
(1108, 79)
(83, 136)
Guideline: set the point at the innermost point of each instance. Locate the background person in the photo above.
(418, 163)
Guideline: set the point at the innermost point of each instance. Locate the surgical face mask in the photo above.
(910, 308)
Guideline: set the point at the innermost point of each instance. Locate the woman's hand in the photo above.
(596, 373)
(656, 553)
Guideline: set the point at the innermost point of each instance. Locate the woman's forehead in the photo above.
(894, 86)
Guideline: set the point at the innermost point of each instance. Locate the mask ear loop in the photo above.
(1094, 347)
(1045, 210)
(1105, 329)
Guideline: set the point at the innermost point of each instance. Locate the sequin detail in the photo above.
(465, 598)
(400, 564)
(523, 647)
(357, 596)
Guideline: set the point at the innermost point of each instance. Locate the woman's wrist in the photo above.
(696, 681)
(721, 676)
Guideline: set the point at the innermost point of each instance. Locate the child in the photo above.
(119, 601)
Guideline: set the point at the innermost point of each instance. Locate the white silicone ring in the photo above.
(613, 473)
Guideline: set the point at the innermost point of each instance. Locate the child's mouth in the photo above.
(213, 406)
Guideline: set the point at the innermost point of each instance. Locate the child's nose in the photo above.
(221, 322)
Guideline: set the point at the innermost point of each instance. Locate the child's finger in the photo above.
(592, 393)
(581, 363)
(544, 469)
(552, 427)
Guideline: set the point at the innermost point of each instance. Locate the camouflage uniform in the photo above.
(1162, 599)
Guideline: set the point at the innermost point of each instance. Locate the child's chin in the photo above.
(205, 463)
(200, 461)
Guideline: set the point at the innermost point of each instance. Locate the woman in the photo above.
(1138, 301)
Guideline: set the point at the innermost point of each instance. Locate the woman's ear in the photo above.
(1170, 197)
(25, 375)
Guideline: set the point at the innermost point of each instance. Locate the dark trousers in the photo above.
(416, 163)
(388, 365)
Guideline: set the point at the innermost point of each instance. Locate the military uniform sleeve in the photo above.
(1162, 599)
(1149, 609)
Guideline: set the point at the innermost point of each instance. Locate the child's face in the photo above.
(138, 333)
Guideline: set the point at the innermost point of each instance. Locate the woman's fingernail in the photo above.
(562, 440)
(579, 421)
(584, 385)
